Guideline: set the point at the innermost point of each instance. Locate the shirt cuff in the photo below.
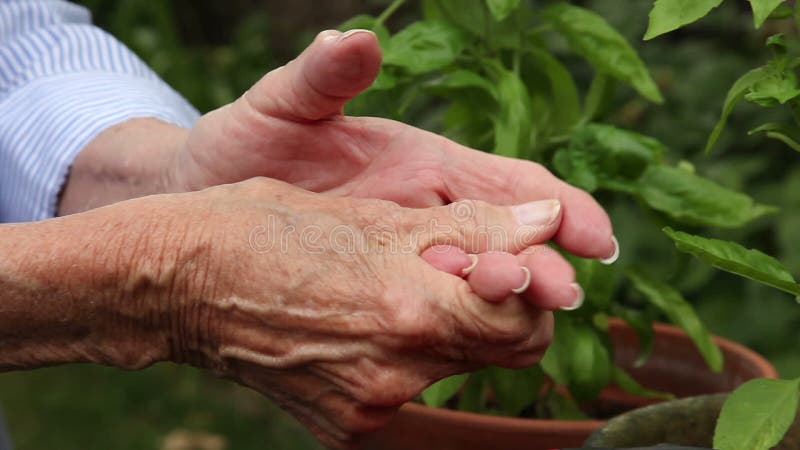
(45, 124)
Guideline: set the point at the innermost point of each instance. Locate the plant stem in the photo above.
(388, 12)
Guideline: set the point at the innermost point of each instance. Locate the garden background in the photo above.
(212, 51)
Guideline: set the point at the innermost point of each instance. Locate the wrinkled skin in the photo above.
(342, 339)
(290, 127)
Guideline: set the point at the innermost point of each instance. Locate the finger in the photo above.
(585, 228)
(498, 275)
(475, 331)
(332, 70)
(479, 227)
(449, 259)
(552, 283)
(493, 276)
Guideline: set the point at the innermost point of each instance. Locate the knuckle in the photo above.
(504, 324)
(379, 219)
(471, 213)
(539, 332)
(412, 323)
(532, 349)
(479, 226)
(389, 388)
(260, 188)
(515, 336)
(257, 183)
(430, 179)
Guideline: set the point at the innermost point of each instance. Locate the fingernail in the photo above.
(614, 256)
(579, 296)
(275, 70)
(328, 35)
(527, 282)
(347, 34)
(471, 267)
(540, 213)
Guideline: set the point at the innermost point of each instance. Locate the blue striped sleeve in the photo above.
(62, 82)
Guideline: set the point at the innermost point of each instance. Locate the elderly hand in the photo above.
(339, 338)
(325, 305)
(290, 126)
(322, 303)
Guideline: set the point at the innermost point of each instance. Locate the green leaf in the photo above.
(430, 10)
(513, 124)
(643, 325)
(691, 199)
(500, 9)
(424, 47)
(732, 257)
(474, 17)
(735, 95)
(600, 95)
(593, 38)
(757, 414)
(783, 11)
(598, 280)
(551, 366)
(385, 80)
(562, 86)
(669, 15)
(460, 83)
(467, 124)
(778, 41)
(470, 15)
(437, 394)
(472, 97)
(562, 407)
(778, 85)
(473, 396)
(590, 364)
(516, 389)
(679, 311)
(628, 384)
(577, 358)
(604, 156)
(789, 135)
(762, 10)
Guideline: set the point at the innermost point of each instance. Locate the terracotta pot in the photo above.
(689, 421)
(675, 366)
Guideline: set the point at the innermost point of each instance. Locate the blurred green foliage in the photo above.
(92, 407)
(208, 73)
(85, 407)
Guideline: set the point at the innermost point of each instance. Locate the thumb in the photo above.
(479, 227)
(315, 85)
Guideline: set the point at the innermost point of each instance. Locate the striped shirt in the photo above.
(62, 82)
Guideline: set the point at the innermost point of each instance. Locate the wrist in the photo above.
(100, 287)
(132, 159)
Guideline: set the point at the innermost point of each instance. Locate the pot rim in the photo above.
(478, 420)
